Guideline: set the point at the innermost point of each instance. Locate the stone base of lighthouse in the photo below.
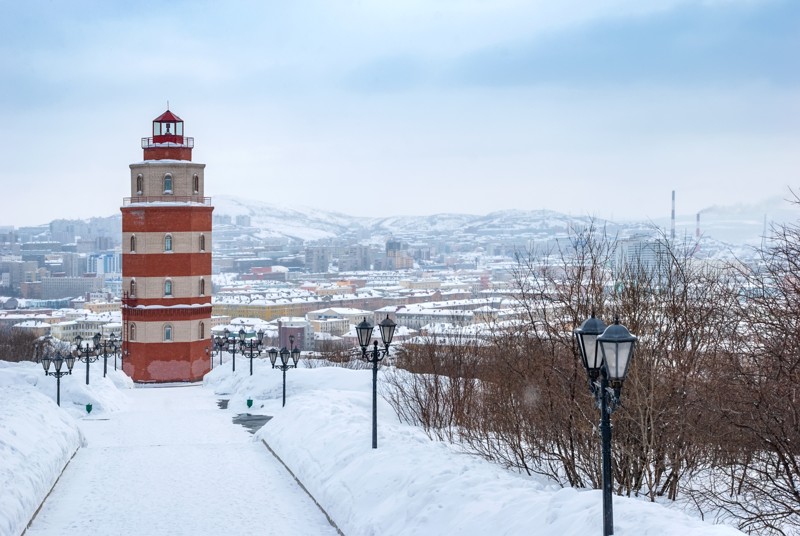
(152, 359)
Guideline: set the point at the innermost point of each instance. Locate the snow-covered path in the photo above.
(175, 464)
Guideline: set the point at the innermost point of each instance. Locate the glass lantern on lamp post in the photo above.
(285, 365)
(46, 356)
(88, 353)
(252, 349)
(108, 348)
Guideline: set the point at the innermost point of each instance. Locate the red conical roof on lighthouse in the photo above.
(167, 117)
(168, 141)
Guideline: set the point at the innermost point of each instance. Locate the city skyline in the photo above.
(410, 108)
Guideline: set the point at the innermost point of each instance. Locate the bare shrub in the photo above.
(16, 344)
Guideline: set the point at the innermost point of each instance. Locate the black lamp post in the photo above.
(606, 353)
(48, 356)
(233, 344)
(109, 347)
(219, 345)
(253, 348)
(89, 352)
(285, 364)
(364, 332)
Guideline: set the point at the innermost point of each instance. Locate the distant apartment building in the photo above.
(357, 258)
(65, 287)
(644, 252)
(243, 220)
(9, 241)
(336, 320)
(221, 219)
(318, 258)
(297, 328)
(397, 256)
(13, 273)
(421, 284)
(104, 263)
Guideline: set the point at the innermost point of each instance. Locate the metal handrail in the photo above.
(167, 199)
(148, 143)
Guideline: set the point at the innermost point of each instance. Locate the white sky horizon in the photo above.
(407, 108)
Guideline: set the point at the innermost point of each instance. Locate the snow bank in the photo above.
(37, 438)
(411, 485)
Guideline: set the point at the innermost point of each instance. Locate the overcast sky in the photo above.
(379, 107)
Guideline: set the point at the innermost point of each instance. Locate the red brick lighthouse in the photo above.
(166, 261)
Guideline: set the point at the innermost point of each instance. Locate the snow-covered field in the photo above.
(408, 485)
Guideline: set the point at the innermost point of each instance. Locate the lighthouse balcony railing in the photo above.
(167, 140)
(199, 199)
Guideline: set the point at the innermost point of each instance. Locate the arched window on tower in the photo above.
(132, 332)
(202, 242)
(196, 183)
(132, 291)
(139, 184)
(133, 243)
(202, 330)
(202, 286)
(168, 242)
(167, 183)
(168, 287)
(168, 332)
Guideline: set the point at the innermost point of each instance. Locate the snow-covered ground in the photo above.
(37, 439)
(409, 485)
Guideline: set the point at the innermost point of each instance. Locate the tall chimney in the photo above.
(697, 230)
(672, 231)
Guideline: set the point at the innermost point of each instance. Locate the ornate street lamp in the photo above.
(234, 344)
(89, 352)
(606, 353)
(284, 364)
(219, 345)
(253, 348)
(229, 342)
(109, 348)
(47, 356)
(364, 333)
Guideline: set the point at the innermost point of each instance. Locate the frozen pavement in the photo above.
(175, 464)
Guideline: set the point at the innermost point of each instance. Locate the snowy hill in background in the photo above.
(738, 224)
(275, 221)
(313, 224)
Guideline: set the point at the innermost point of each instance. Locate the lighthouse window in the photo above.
(196, 184)
(202, 242)
(168, 242)
(202, 286)
(133, 244)
(167, 183)
(132, 332)
(133, 288)
(167, 288)
(202, 330)
(167, 332)
(139, 184)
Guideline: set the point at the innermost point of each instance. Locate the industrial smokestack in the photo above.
(672, 229)
(697, 230)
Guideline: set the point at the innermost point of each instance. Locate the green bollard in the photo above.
(249, 403)
(88, 408)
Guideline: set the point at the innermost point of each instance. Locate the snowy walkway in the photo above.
(175, 464)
